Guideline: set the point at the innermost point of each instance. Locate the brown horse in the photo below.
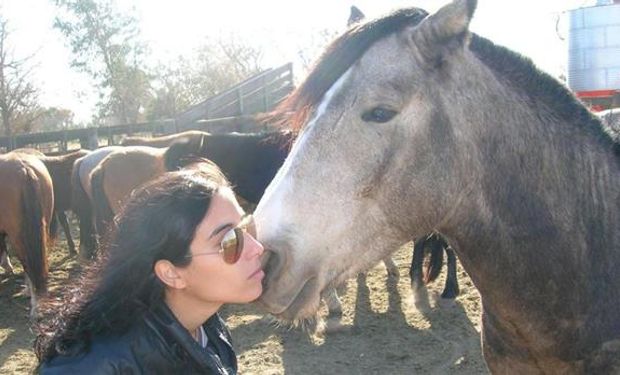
(59, 168)
(26, 204)
(119, 173)
(81, 195)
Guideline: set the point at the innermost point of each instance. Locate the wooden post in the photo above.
(63, 143)
(93, 141)
(240, 99)
(265, 95)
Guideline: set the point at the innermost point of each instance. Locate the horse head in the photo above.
(336, 206)
(184, 151)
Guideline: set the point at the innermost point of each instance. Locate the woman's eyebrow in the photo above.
(220, 229)
(226, 226)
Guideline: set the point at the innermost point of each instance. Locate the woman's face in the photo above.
(208, 277)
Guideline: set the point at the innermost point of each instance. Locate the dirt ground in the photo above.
(383, 331)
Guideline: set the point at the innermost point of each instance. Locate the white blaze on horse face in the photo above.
(274, 205)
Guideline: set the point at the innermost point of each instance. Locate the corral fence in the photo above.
(233, 110)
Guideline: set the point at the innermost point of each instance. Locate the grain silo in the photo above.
(594, 54)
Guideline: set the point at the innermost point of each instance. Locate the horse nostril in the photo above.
(272, 264)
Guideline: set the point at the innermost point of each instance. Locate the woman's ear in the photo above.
(168, 274)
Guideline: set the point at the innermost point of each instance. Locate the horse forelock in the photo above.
(539, 87)
(338, 57)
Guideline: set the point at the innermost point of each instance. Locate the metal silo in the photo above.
(594, 54)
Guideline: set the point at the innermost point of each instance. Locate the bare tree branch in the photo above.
(19, 98)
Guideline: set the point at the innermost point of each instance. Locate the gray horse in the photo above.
(410, 124)
(611, 118)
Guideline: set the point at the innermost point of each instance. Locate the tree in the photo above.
(314, 47)
(216, 66)
(19, 98)
(170, 91)
(54, 118)
(220, 64)
(105, 45)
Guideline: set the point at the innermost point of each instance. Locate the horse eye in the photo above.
(379, 114)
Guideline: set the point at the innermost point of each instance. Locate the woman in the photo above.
(182, 248)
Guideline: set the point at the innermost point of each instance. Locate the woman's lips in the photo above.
(258, 274)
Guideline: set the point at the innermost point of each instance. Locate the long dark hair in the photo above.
(158, 222)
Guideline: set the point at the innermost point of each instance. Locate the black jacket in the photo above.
(158, 344)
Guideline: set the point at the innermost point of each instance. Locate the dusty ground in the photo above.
(384, 333)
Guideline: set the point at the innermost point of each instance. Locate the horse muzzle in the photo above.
(287, 294)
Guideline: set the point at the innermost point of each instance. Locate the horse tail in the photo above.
(53, 227)
(34, 234)
(103, 212)
(48, 161)
(81, 206)
(433, 268)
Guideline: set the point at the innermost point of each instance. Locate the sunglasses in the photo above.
(231, 246)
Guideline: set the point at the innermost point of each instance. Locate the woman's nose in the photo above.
(254, 247)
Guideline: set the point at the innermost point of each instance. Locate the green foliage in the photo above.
(54, 118)
(216, 66)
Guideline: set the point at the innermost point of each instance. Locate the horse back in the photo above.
(90, 162)
(163, 141)
(124, 170)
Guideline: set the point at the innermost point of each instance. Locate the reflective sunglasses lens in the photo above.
(232, 243)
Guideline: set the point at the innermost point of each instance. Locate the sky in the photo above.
(535, 28)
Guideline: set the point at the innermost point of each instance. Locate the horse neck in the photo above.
(544, 198)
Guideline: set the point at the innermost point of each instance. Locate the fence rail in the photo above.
(229, 111)
(256, 94)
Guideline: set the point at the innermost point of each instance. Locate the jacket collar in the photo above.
(168, 325)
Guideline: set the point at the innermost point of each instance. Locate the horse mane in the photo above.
(540, 87)
(521, 72)
(339, 56)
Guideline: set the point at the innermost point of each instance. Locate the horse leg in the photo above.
(88, 240)
(5, 262)
(420, 294)
(334, 306)
(62, 218)
(451, 289)
(390, 266)
(34, 306)
(334, 313)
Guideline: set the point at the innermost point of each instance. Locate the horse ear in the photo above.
(444, 31)
(176, 152)
(355, 15)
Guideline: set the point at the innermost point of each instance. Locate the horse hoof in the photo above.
(420, 300)
(9, 272)
(391, 268)
(393, 272)
(334, 326)
(446, 303)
